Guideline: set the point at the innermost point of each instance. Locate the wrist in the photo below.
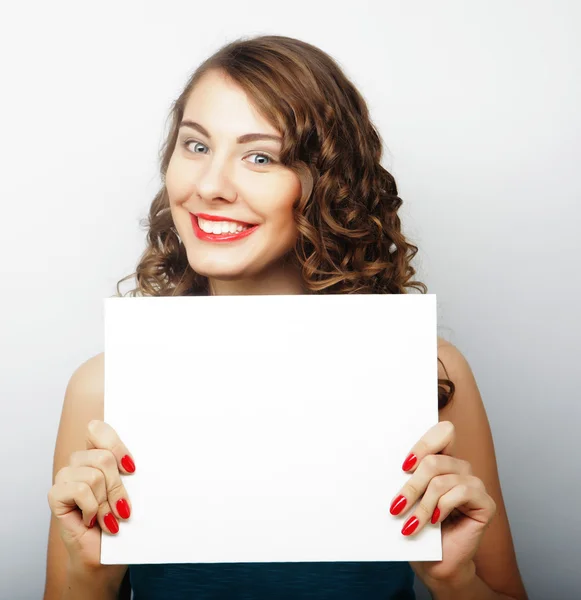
(107, 578)
(454, 586)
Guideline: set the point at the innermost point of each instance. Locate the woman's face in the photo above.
(213, 173)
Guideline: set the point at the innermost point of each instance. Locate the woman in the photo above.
(272, 185)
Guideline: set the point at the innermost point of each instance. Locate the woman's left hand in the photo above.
(449, 494)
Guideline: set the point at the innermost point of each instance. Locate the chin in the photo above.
(225, 267)
(225, 272)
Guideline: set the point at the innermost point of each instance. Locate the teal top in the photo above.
(270, 581)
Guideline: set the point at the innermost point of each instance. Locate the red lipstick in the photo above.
(218, 237)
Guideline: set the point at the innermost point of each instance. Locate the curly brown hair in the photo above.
(349, 233)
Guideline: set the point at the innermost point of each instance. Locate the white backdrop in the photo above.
(478, 104)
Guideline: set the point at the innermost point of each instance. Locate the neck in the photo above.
(281, 279)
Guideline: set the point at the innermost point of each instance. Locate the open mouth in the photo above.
(222, 227)
(220, 231)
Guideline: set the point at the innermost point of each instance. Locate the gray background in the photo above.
(478, 104)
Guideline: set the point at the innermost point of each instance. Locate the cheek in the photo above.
(283, 213)
(176, 182)
(285, 231)
(282, 220)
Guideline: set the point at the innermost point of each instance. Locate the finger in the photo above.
(104, 474)
(471, 498)
(431, 466)
(438, 439)
(94, 478)
(427, 509)
(102, 435)
(107, 519)
(66, 497)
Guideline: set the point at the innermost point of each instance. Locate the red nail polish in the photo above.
(409, 462)
(93, 521)
(123, 508)
(435, 516)
(398, 505)
(111, 522)
(128, 464)
(410, 526)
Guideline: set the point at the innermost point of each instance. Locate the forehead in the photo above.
(221, 105)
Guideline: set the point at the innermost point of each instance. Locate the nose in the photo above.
(215, 182)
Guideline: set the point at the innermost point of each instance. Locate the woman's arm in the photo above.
(496, 573)
(79, 586)
(83, 402)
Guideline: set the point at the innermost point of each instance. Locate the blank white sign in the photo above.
(269, 428)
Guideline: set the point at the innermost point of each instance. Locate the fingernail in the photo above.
(123, 508)
(409, 462)
(398, 505)
(111, 522)
(435, 516)
(128, 464)
(410, 525)
(93, 521)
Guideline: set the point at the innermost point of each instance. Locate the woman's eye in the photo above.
(262, 156)
(187, 144)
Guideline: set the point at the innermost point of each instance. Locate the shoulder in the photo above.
(466, 411)
(466, 408)
(86, 386)
(83, 402)
(90, 373)
(452, 364)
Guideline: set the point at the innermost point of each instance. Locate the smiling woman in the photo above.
(272, 184)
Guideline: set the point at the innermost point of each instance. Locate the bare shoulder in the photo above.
(451, 364)
(444, 345)
(83, 402)
(84, 395)
(88, 378)
(442, 342)
(466, 403)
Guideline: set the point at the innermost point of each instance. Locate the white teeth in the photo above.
(219, 227)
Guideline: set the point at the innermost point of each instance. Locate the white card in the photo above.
(269, 428)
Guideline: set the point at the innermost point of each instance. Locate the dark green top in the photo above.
(273, 581)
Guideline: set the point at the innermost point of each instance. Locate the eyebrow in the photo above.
(243, 139)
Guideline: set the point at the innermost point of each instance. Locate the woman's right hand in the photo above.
(89, 491)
